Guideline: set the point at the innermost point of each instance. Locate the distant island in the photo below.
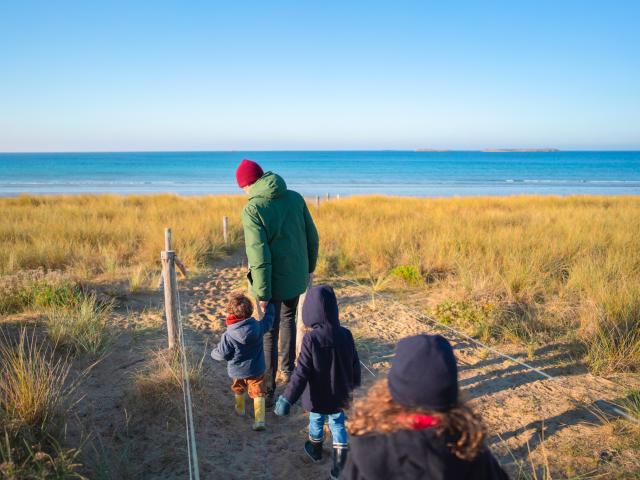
(493, 150)
(430, 150)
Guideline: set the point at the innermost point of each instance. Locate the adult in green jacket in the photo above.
(281, 241)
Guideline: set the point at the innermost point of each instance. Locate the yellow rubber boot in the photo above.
(259, 411)
(240, 408)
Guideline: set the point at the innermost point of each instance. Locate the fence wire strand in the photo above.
(422, 317)
(194, 470)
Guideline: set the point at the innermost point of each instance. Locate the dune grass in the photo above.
(80, 327)
(20, 460)
(157, 385)
(110, 235)
(525, 269)
(35, 388)
(35, 289)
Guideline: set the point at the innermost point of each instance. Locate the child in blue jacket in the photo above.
(241, 345)
(326, 373)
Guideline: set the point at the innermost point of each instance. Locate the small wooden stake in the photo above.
(337, 196)
(225, 230)
(328, 196)
(317, 201)
(168, 258)
(167, 239)
(300, 329)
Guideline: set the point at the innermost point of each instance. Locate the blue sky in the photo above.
(214, 75)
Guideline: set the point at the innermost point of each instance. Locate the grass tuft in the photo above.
(20, 460)
(34, 386)
(159, 384)
(82, 327)
(37, 290)
(614, 348)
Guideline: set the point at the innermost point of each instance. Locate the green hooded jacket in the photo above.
(281, 239)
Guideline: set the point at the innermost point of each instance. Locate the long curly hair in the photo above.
(378, 412)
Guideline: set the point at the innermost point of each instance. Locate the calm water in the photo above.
(312, 173)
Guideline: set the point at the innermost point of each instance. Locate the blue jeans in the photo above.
(336, 425)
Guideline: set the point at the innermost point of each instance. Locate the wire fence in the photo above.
(423, 317)
(192, 452)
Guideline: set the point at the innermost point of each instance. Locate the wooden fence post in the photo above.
(299, 323)
(317, 201)
(225, 230)
(337, 196)
(328, 196)
(168, 258)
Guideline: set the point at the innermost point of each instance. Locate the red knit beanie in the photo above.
(248, 172)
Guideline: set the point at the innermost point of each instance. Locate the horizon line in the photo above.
(416, 150)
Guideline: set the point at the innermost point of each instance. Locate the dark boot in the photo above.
(269, 399)
(314, 450)
(339, 459)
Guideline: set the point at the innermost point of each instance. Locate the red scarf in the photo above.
(231, 319)
(419, 421)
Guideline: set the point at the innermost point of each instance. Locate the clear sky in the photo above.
(218, 75)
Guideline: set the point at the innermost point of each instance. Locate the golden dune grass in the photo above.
(521, 268)
(91, 235)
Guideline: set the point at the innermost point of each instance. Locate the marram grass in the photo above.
(523, 268)
(34, 386)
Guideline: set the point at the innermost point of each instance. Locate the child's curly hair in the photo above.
(239, 306)
(378, 412)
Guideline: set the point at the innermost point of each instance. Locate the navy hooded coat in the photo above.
(328, 367)
(413, 455)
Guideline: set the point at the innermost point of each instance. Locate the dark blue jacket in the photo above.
(241, 346)
(328, 367)
(413, 455)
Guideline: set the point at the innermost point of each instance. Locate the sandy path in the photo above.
(517, 405)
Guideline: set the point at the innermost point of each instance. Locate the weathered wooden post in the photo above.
(225, 230)
(168, 258)
(317, 201)
(337, 196)
(299, 323)
(328, 196)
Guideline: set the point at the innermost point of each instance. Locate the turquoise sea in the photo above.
(428, 174)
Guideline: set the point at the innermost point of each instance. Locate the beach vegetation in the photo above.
(526, 269)
(106, 235)
(80, 327)
(159, 383)
(36, 289)
(408, 274)
(21, 460)
(35, 386)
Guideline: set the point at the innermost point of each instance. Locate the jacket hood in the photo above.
(245, 332)
(320, 307)
(270, 185)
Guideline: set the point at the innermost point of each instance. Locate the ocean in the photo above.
(411, 173)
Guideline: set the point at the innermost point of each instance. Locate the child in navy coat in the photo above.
(326, 373)
(413, 425)
(241, 346)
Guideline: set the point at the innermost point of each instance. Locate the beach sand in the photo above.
(523, 411)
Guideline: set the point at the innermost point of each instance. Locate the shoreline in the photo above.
(323, 197)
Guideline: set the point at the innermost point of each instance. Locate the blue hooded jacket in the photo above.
(241, 346)
(328, 367)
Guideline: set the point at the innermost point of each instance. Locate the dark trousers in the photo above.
(283, 331)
